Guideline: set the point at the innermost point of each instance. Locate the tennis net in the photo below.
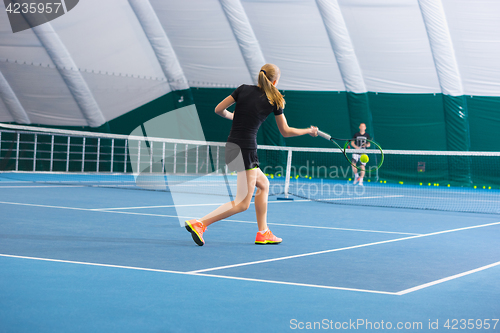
(437, 180)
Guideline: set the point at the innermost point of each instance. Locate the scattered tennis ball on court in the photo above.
(420, 183)
(279, 174)
(364, 158)
(448, 185)
(272, 176)
(489, 187)
(310, 177)
(349, 179)
(475, 186)
(297, 177)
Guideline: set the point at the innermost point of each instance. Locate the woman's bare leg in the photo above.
(261, 197)
(245, 187)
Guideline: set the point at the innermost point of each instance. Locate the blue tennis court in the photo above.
(79, 258)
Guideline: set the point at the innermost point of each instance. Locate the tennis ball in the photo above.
(364, 158)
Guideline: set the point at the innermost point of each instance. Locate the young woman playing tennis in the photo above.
(253, 105)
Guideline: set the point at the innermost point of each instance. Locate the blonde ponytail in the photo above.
(267, 75)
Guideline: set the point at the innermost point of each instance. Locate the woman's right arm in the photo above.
(221, 108)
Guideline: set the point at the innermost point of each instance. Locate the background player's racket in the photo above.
(375, 154)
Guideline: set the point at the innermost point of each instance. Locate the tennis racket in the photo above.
(375, 155)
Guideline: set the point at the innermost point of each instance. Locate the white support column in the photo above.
(71, 75)
(161, 44)
(342, 45)
(12, 102)
(442, 47)
(248, 43)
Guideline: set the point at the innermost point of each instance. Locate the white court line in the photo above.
(340, 249)
(189, 217)
(195, 274)
(38, 186)
(164, 206)
(361, 198)
(330, 228)
(44, 206)
(449, 278)
(194, 205)
(269, 202)
(447, 198)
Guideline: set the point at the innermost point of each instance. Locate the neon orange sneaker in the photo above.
(196, 228)
(267, 238)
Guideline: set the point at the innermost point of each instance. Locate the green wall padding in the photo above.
(359, 112)
(456, 117)
(327, 110)
(408, 121)
(126, 123)
(484, 122)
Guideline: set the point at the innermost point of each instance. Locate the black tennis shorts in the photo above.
(238, 159)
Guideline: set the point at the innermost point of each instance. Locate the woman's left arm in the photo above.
(221, 108)
(288, 131)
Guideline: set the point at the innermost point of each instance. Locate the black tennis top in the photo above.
(359, 138)
(252, 108)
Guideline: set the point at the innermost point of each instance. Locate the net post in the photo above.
(98, 153)
(208, 159)
(288, 171)
(125, 158)
(138, 156)
(67, 154)
(186, 160)
(51, 152)
(287, 177)
(83, 155)
(217, 162)
(163, 158)
(197, 153)
(34, 152)
(151, 152)
(112, 154)
(175, 157)
(17, 150)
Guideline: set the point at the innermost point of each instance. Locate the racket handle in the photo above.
(324, 135)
